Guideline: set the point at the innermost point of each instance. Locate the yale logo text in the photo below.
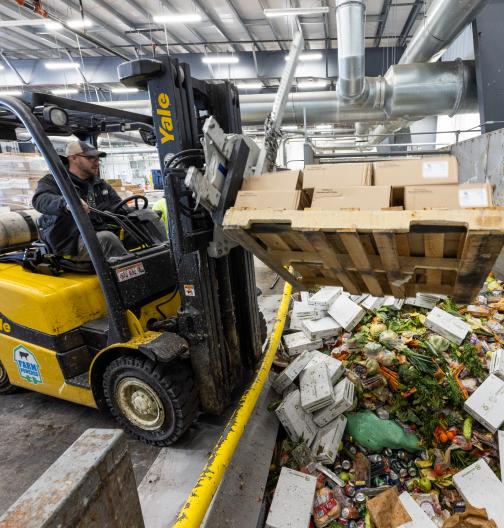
(5, 327)
(166, 122)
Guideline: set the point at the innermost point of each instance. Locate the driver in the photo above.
(57, 226)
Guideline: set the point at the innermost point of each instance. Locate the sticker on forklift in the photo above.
(27, 364)
(189, 290)
(130, 272)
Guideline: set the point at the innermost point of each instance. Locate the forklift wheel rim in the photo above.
(140, 404)
(3, 374)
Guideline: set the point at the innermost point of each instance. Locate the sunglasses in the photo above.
(91, 158)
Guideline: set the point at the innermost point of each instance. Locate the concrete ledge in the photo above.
(91, 485)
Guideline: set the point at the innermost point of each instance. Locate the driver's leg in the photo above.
(110, 244)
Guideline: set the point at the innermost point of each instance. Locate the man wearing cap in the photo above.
(57, 225)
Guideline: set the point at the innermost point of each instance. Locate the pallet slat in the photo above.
(395, 253)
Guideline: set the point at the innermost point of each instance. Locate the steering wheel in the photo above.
(135, 198)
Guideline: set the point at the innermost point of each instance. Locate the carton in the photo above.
(326, 444)
(297, 423)
(346, 313)
(320, 328)
(479, 487)
(497, 364)
(316, 388)
(293, 500)
(274, 181)
(448, 196)
(343, 401)
(419, 519)
(303, 310)
(372, 303)
(335, 366)
(486, 403)
(335, 175)
(298, 342)
(427, 170)
(325, 297)
(290, 373)
(500, 439)
(447, 325)
(279, 200)
(364, 198)
(393, 303)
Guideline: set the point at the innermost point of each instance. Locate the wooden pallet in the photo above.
(395, 253)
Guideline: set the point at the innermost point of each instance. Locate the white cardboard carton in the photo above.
(419, 519)
(298, 342)
(479, 486)
(500, 438)
(290, 373)
(303, 310)
(497, 364)
(372, 303)
(335, 366)
(359, 298)
(316, 388)
(393, 303)
(326, 444)
(343, 401)
(486, 403)
(293, 500)
(447, 325)
(346, 313)
(297, 423)
(295, 323)
(305, 296)
(325, 297)
(321, 328)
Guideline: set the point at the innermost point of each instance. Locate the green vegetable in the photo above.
(439, 343)
(425, 484)
(372, 349)
(468, 355)
(372, 366)
(407, 375)
(376, 329)
(468, 425)
(389, 339)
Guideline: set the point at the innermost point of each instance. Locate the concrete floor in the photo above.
(36, 429)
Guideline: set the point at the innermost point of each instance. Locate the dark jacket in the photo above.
(57, 226)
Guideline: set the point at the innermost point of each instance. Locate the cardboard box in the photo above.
(447, 325)
(480, 487)
(279, 200)
(293, 500)
(335, 175)
(419, 519)
(344, 393)
(325, 297)
(372, 303)
(393, 303)
(274, 181)
(427, 170)
(316, 388)
(448, 196)
(290, 373)
(303, 310)
(297, 423)
(320, 328)
(326, 444)
(335, 366)
(364, 198)
(298, 342)
(346, 313)
(486, 403)
(497, 365)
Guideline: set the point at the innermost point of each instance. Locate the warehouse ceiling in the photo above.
(129, 27)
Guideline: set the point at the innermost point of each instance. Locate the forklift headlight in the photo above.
(55, 116)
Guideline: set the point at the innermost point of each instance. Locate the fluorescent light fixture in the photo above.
(220, 59)
(324, 127)
(53, 26)
(312, 85)
(308, 57)
(65, 91)
(177, 18)
(62, 65)
(79, 23)
(295, 11)
(124, 90)
(290, 127)
(250, 86)
(2, 67)
(11, 92)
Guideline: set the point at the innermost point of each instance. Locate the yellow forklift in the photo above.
(155, 336)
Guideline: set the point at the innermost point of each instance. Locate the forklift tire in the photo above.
(5, 384)
(154, 403)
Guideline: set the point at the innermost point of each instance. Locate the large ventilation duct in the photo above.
(443, 23)
(351, 48)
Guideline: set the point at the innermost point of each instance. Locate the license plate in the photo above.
(130, 272)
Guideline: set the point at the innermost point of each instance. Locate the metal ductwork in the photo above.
(443, 23)
(350, 18)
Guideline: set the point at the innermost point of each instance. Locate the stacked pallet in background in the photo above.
(125, 189)
(19, 175)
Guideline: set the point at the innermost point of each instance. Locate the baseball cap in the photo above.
(83, 148)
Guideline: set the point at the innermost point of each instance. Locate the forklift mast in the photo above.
(219, 313)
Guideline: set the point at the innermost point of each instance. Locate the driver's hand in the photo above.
(85, 206)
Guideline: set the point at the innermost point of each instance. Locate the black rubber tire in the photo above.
(5, 384)
(175, 387)
(263, 327)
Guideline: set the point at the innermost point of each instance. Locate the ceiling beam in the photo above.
(240, 20)
(415, 12)
(270, 24)
(382, 22)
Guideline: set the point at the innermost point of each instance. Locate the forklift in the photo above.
(169, 330)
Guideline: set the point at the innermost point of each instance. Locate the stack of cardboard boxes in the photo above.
(429, 182)
(124, 189)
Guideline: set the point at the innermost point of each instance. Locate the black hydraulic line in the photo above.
(118, 326)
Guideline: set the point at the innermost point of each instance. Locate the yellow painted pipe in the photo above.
(194, 510)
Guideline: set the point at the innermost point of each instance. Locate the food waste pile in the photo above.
(390, 412)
